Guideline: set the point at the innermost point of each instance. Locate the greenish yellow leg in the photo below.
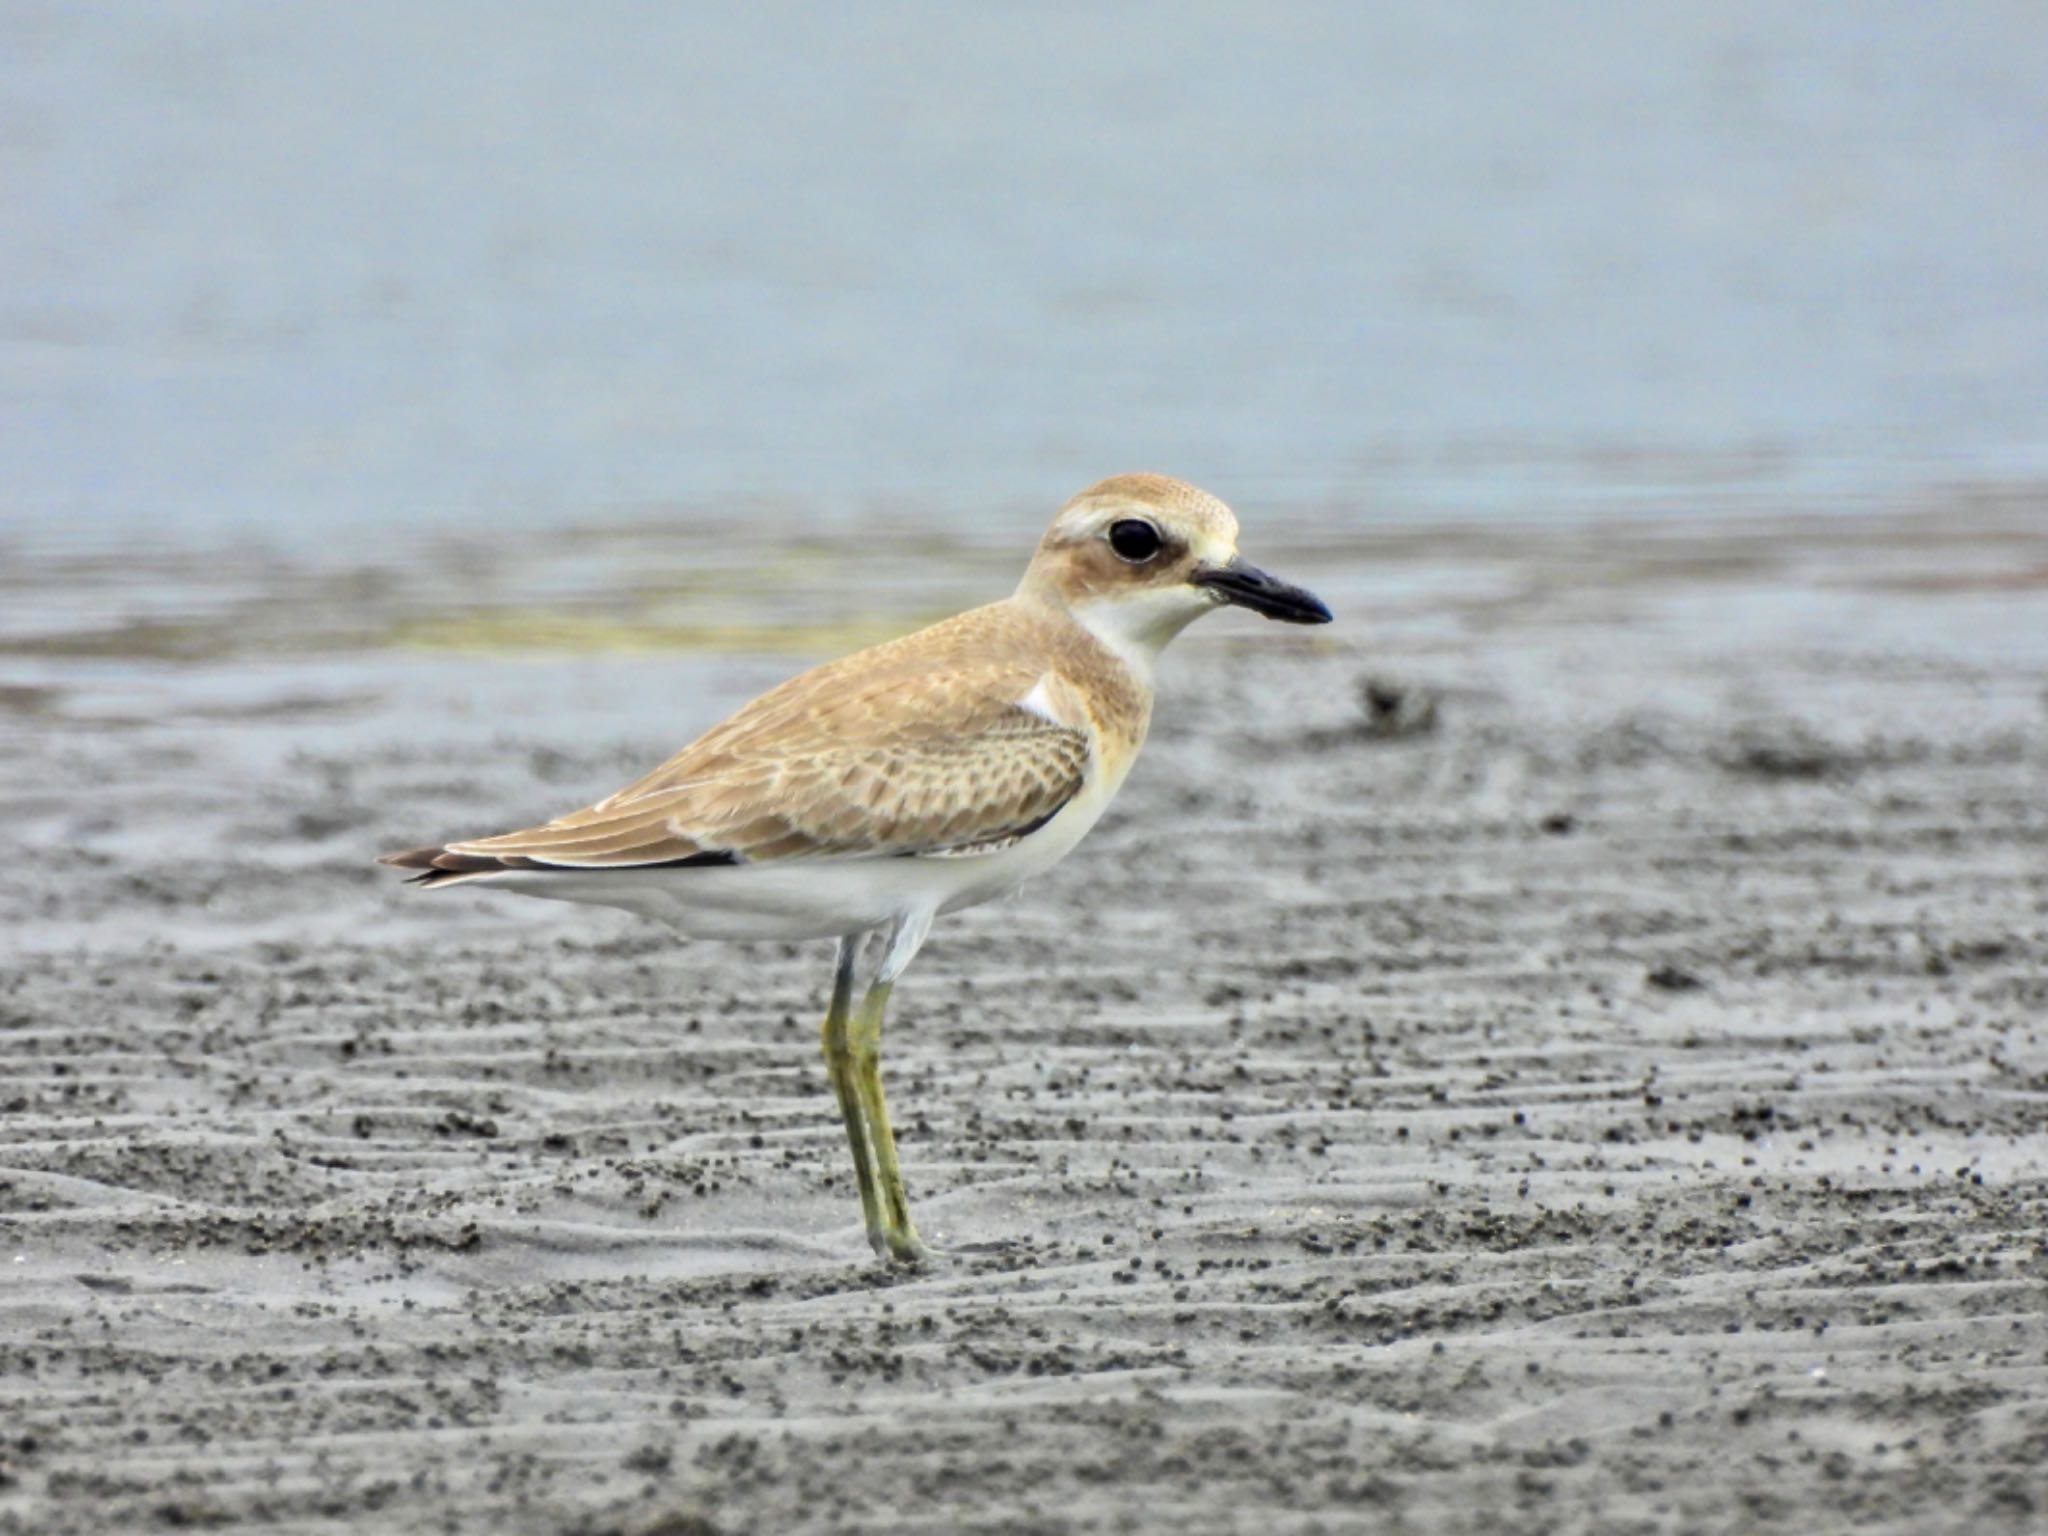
(839, 1062)
(898, 1232)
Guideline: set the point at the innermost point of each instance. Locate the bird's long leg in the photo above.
(898, 1231)
(839, 1062)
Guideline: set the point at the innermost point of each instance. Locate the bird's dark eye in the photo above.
(1134, 540)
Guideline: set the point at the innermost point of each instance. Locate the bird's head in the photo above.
(1137, 558)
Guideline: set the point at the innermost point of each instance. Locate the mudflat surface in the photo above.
(1563, 1049)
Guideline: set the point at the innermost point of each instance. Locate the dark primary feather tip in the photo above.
(434, 877)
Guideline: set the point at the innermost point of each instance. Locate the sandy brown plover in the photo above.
(867, 796)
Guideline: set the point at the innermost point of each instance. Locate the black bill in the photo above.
(1249, 587)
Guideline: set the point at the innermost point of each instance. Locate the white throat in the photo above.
(1136, 627)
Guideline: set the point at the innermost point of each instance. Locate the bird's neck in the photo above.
(1114, 674)
(1134, 627)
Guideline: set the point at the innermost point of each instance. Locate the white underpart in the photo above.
(818, 898)
(905, 940)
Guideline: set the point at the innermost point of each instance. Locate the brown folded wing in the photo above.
(904, 759)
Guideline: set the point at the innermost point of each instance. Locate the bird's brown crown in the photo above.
(1127, 534)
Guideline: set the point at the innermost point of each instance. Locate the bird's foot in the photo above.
(900, 1245)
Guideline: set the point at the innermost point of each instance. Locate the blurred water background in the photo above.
(533, 302)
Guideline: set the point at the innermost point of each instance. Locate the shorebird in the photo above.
(863, 798)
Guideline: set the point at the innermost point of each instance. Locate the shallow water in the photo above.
(501, 331)
(326, 274)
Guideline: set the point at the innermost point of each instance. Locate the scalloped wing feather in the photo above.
(920, 746)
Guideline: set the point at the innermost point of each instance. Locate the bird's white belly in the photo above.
(816, 898)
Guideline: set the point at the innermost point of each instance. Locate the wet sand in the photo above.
(1561, 1050)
